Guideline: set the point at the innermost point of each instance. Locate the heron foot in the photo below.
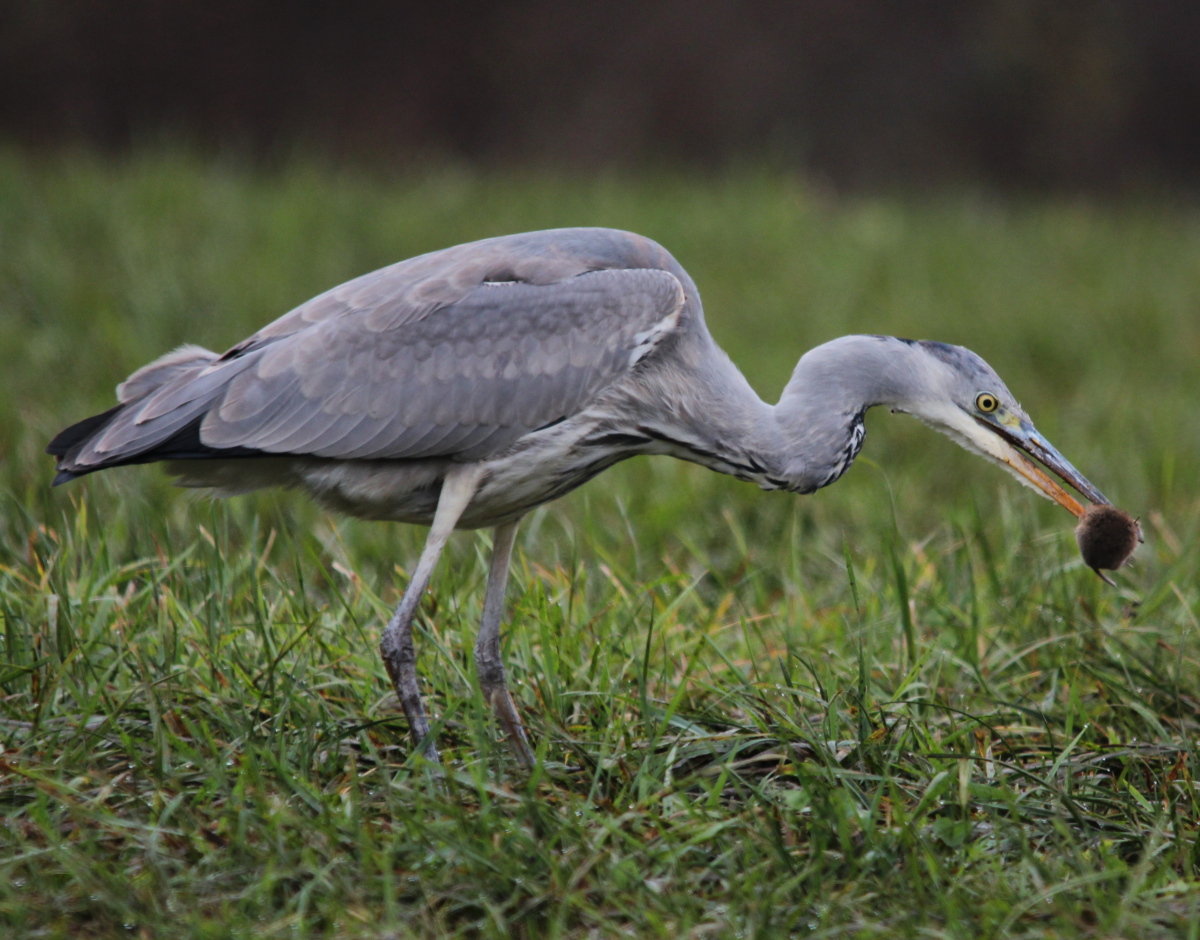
(501, 702)
(402, 668)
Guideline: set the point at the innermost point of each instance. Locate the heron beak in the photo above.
(1018, 438)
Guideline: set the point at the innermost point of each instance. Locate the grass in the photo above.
(899, 707)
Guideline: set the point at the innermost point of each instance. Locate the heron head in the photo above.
(964, 398)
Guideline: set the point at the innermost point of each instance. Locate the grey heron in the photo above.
(460, 389)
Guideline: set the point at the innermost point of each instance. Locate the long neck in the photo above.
(695, 405)
(820, 414)
(803, 443)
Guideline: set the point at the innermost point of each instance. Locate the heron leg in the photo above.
(396, 644)
(488, 664)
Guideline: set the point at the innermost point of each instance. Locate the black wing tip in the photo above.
(64, 476)
(70, 439)
(185, 444)
(59, 446)
(75, 434)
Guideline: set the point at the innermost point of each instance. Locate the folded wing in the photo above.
(455, 354)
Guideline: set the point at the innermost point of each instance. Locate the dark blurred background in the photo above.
(1074, 94)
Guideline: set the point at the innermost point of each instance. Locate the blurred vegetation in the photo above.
(1075, 94)
(897, 707)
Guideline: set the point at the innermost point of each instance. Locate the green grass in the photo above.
(899, 707)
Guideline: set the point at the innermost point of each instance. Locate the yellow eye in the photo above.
(986, 402)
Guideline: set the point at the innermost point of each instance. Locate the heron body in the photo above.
(462, 388)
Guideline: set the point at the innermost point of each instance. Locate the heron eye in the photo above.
(986, 402)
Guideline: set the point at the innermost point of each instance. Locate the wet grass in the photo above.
(899, 707)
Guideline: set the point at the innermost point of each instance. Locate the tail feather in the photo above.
(156, 374)
(66, 439)
(179, 438)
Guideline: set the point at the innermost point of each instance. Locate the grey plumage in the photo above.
(455, 354)
(464, 387)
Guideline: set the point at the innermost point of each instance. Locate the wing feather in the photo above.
(498, 361)
(454, 354)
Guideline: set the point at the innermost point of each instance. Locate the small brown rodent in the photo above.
(1107, 537)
